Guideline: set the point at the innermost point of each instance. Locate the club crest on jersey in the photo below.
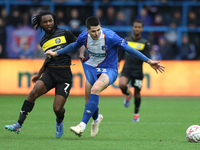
(139, 46)
(104, 47)
(57, 40)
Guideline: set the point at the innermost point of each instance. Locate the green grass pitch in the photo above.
(162, 126)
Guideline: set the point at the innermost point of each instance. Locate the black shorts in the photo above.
(58, 78)
(136, 80)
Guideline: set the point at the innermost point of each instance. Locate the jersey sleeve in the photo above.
(135, 53)
(123, 44)
(72, 47)
(118, 41)
(81, 40)
(69, 36)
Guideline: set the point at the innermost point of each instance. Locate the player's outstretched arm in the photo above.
(68, 49)
(156, 65)
(135, 53)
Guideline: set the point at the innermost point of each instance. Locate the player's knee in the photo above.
(95, 90)
(122, 86)
(33, 94)
(137, 95)
(57, 109)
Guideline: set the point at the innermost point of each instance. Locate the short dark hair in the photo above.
(139, 21)
(92, 21)
(37, 19)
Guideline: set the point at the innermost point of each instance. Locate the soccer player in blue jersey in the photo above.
(101, 67)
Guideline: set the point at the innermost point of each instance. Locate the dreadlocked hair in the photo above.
(37, 19)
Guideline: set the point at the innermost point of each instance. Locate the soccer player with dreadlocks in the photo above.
(54, 73)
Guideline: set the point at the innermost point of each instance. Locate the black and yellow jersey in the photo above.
(132, 63)
(59, 39)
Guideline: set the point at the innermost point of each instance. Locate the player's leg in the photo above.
(62, 90)
(93, 77)
(97, 118)
(137, 101)
(99, 78)
(123, 81)
(38, 90)
(58, 107)
(92, 104)
(88, 87)
(137, 98)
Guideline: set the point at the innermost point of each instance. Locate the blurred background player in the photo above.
(55, 72)
(132, 69)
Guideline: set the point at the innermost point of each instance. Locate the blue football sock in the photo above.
(96, 114)
(90, 108)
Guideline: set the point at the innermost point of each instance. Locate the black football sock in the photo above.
(60, 118)
(137, 102)
(125, 91)
(26, 109)
(96, 114)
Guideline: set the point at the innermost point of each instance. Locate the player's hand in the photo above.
(49, 53)
(82, 57)
(35, 78)
(156, 66)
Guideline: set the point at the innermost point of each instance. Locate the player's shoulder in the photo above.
(58, 30)
(128, 38)
(63, 31)
(144, 40)
(110, 34)
(83, 34)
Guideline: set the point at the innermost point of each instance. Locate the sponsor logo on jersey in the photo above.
(56, 48)
(97, 54)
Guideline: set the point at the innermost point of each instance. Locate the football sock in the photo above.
(125, 91)
(137, 105)
(83, 125)
(90, 108)
(96, 114)
(96, 120)
(60, 118)
(26, 109)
